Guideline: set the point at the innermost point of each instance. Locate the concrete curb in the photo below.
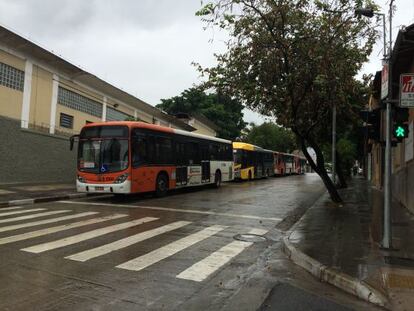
(329, 275)
(43, 199)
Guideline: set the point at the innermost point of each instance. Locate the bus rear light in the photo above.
(120, 179)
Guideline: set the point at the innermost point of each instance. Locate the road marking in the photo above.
(168, 250)
(175, 210)
(205, 267)
(46, 221)
(34, 234)
(34, 216)
(10, 208)
(117, 245)
(22, 212)
(43, 247)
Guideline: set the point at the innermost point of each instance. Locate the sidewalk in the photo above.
(341, 245)
(29, 193)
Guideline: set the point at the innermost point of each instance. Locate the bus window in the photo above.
(163, 150)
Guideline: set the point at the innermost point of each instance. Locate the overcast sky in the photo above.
(145, 47)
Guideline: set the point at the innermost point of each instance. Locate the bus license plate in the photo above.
(99, 188)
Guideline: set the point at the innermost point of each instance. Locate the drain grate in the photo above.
(399, 261)
(249, 237)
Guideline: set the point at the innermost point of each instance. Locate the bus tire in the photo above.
(217, 179)
(161, 185)
(250, 175)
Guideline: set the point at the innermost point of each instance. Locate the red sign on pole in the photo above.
(407, 90)
(384, 81)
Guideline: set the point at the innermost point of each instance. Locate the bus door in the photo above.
(181, 174)
(205, 163)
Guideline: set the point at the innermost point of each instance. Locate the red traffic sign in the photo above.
(407, 90)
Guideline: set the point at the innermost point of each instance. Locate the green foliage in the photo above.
(220, 109)
(291, 60)
(271, 136)
(347, 150)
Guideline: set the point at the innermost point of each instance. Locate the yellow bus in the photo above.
(251, 162)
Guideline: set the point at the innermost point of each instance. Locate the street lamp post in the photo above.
(387, 235)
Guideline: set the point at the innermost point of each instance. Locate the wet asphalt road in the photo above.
(173, 253)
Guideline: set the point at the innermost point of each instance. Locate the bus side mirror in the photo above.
(72, 140)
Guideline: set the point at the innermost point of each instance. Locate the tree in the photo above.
(219, 108)
(291, 60)
(271, 136)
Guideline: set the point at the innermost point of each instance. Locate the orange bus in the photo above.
(131, 157)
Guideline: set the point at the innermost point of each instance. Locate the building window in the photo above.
(11, 77)
(78, 102)
(66, 121)
(116, 115)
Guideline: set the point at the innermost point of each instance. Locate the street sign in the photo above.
(407, 90)
(384, 81)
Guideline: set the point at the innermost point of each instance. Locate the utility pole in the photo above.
(387, 233)
(334, 143)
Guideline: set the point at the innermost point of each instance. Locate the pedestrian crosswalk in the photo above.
(42, 222)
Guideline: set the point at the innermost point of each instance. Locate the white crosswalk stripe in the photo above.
(22, 212)
(43, 247)
(46, 221)
(168, 250)
(117, 245)
(2, 221)
(10, 208)
(42, 232)
(205, 267)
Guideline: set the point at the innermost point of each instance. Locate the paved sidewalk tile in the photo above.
(347, 239)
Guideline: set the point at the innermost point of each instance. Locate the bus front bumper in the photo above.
(124, 187)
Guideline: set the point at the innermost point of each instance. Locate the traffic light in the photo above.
(400, 128)
(372, 123)
(400, 131)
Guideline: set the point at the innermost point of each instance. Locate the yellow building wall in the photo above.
(10, 99)
(202, 129)
(41, 97)
(12, 60)
(120, 108)
(69, 85)
(79, 118)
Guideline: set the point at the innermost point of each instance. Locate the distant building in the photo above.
(402, 61)
(201, 124)
(43, 99)
(43, 90)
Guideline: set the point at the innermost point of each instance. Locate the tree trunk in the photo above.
(319, 167)
(340, 172)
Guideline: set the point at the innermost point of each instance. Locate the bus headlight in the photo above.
(81, 179)
(121, 178)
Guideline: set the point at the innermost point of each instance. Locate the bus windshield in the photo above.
(237, 156)
(100, 153)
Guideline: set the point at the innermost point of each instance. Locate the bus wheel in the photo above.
(250, 175)
(217, 180)
(161, 185)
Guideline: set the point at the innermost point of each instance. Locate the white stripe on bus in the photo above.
(43, 247)
(168, 250)
(46, 221)
(205, 267)
(22, 212)
(128, 241)
(42, 232)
